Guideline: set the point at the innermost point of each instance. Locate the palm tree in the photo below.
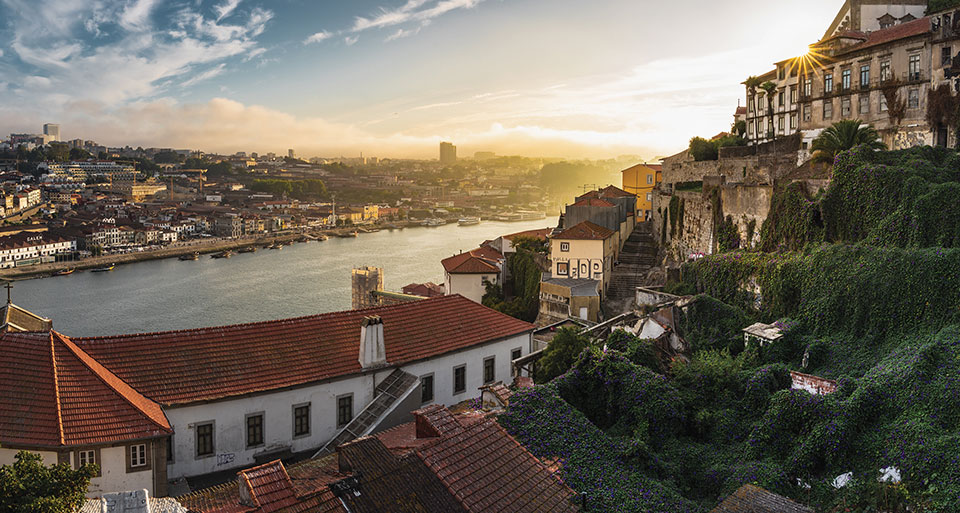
(842, 136)
(769, 88)
(752, 83)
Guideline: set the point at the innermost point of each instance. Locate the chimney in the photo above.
(372, 350)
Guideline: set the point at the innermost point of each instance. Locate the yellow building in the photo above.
(640, 180)
(585, 251)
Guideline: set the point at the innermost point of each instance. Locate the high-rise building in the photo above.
(52, 130)
(448, 153)
(290, 153)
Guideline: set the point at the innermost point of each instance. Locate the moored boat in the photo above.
(222, 254)
(190, 256)
(248, 249)
(64, 272)
(468, 221)
(104, 269)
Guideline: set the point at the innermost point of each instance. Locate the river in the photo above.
(301, 279)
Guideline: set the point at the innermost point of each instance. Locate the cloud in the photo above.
(226, 8)
(402, 33)
(136, 14)
(206, 75)
(319, 36)
(139, 60)
(350, 40)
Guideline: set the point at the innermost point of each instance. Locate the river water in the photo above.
(301, 279)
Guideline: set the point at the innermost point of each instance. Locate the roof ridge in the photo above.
(98, 370)
(255, 323)
(56, 389)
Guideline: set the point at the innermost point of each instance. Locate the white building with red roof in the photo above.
(469, 273)
(214, 399)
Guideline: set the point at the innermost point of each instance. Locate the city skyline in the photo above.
(513, 76)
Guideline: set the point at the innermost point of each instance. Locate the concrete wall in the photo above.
(470, 286)
(229, 416)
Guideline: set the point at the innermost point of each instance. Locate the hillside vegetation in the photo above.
(869, 296)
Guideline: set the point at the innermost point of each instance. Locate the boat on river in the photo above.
(189, 256)
(434, 222)
(104, 269)
(468, 221)
(64, 272)
(248, 249)
(222, 254)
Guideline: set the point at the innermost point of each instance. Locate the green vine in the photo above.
(674, 209)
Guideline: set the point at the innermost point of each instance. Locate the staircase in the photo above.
(638, 256)
(393, 390)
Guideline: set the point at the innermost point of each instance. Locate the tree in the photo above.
(561, 354)
(739, 128)
(702, 149)
(842, 136)
(769, 88)
(752, 84)
(28, 486)
(78, 154)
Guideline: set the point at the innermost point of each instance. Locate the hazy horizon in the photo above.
(388, 78)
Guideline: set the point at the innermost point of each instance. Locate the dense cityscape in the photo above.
(764, 320)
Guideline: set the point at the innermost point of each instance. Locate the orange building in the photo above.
(640, 180)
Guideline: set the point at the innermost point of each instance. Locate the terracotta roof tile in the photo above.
(489, 471)
(536, 234)
(593, 202)
(753, 499)
(477, 261)
(178, 367)
(585, 231)
(268, 486)
(53, 394)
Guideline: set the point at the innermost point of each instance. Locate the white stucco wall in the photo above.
(8, 456)
(113, 471)
(229, 416)
(470, 286)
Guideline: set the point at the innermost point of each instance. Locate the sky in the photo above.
(393, 78)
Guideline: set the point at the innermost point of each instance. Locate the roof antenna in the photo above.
(9, 287)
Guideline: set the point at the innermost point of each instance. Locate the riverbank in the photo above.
(201, 246)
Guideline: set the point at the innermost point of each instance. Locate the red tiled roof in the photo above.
(428, 289)
(489, 471)
(29, 240)
(268, 486)
(536, 234)
(741, 110)
(477, 261)
(53, 394)
(178, 367)
(913, 28)
(585, 231)
(593, 202)
(612, 191)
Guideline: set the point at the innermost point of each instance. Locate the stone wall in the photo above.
(750, 169)
(747, 205)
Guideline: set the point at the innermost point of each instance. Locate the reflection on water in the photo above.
(301, 279)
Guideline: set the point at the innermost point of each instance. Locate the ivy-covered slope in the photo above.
(880, 315)
(906, 198)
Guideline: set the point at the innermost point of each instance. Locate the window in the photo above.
(885, 71)
(780, 72)
(807, 112)
(864, 107)
(827, 110)
(883, 103)
(344, 410)
(138, 455)
(563, 268)
(913, 67)
(780, 102)
(946, 55)
(426, 388)
(828, 82)
(516, 354)
(86, 458)
(649, 179)
(780, 123)
(301, 420)
(649, 196)
(793, 94)
(864, 76)
(204, 433)
(913, 98)
(793, 121)
(459, 379)
(845, 107)
(750, 105)
(808, 87)
(254, 430)
(845, 80)
(564, 246)
(489, 370)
